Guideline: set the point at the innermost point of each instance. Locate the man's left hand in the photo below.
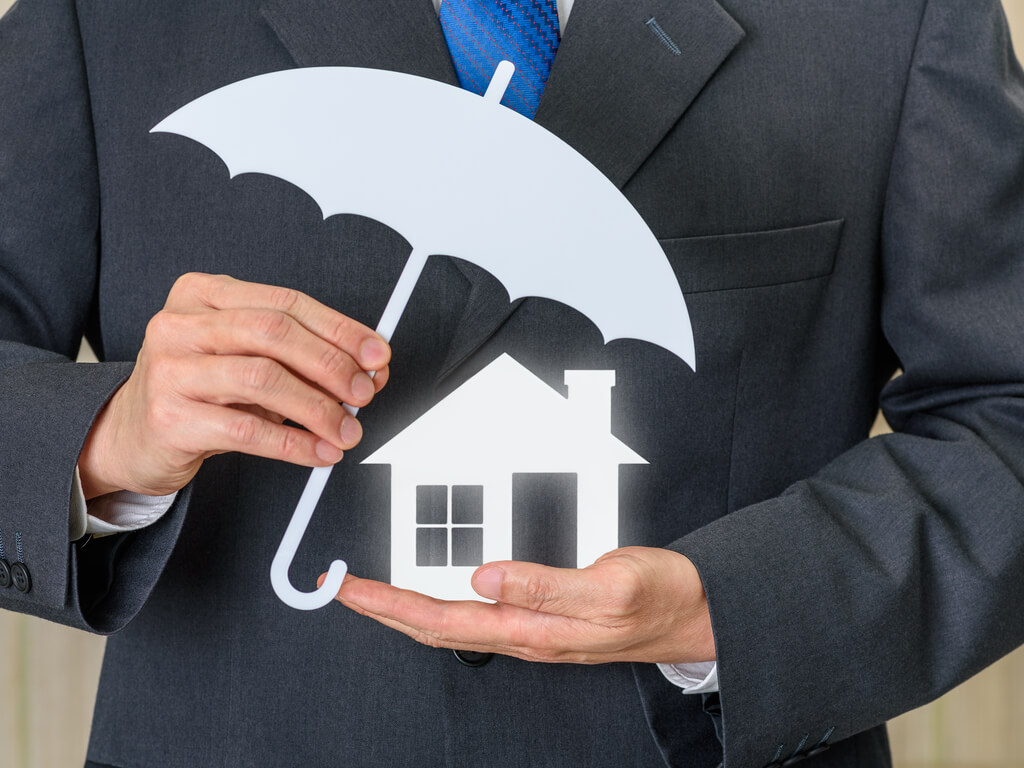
(633, 604)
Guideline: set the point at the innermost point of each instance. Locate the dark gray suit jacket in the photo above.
(839, 189)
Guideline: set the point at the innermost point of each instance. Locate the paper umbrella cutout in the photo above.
(346, 137)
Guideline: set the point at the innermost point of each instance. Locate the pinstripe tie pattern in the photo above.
(480, 33)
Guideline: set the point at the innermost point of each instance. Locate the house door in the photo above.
(544, 518)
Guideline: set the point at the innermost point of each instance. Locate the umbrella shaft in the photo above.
(400, 296)
(397, 303)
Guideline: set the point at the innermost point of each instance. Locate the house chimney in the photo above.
(590, 397)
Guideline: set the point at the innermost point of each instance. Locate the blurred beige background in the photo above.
(48, 677)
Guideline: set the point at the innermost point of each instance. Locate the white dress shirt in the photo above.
(126, 511)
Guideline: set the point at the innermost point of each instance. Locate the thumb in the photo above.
(564, 591)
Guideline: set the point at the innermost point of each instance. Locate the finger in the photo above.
(229, 380)
(212, 429)
(195, 291)
(257, 410)
(424, 638)
(436, 621)
(381, 378)
(591, 593)
(468, 624)
(276, 335)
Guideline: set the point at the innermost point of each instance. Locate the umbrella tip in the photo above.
(499, 81)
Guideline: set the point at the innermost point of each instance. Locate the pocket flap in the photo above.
(754, 259)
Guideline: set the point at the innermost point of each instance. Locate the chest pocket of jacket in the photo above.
(766, 324)
(754, 259)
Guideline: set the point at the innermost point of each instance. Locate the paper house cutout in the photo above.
(451, 472)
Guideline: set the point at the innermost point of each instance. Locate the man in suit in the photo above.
(836, 188)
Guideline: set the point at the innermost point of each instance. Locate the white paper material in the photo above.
(475, 437)
(456, 174)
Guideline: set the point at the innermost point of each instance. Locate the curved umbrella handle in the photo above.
(318, 598)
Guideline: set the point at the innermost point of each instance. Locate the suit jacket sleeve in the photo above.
(49, 263)
(894, 573)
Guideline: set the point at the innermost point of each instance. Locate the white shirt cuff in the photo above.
(699, 677)
(116, 512)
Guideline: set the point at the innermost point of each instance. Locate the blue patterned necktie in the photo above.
(480, 33)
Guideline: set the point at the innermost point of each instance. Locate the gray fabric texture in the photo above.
(837, 187)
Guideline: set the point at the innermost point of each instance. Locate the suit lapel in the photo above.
(616, 88)
(397, 35)
(625, 74)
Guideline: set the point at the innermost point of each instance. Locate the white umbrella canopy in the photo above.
(455, 174)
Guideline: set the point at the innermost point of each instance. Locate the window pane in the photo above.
(431, 504)
(468, 504)
(467, 546)
(431, 546)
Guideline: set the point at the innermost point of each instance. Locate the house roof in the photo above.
(506, 418)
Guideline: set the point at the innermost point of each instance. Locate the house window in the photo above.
(449, 525)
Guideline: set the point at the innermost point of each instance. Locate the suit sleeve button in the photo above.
(5, 574)
(20, 577)
(473, 658)
(819, 750)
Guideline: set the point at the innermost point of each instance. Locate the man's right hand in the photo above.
(223, 364)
